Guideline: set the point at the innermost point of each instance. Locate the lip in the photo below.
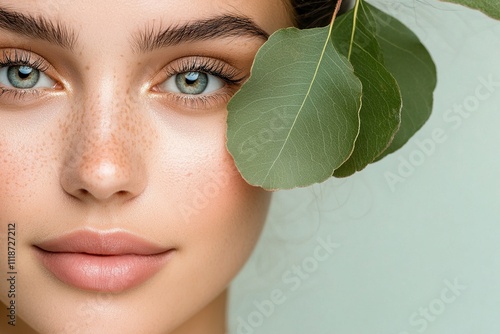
(102, 261)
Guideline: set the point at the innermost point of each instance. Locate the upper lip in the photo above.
(101, 243)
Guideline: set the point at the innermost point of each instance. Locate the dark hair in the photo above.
(315, 13)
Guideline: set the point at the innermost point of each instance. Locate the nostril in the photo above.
(122, 193)
(83, 192)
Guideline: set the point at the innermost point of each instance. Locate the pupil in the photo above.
(25, 72)
(192, 77)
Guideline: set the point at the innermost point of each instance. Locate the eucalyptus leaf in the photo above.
(381, 104)
(488, 7)
(411, 64)
(297, 117)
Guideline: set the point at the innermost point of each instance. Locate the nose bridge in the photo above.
(104, 155)
(107, 131)
(107, 119)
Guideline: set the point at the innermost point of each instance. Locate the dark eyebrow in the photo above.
(38, 28)
(217, 27)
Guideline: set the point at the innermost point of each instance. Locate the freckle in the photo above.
(87, 67)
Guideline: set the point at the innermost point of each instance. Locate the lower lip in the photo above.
(110, 273)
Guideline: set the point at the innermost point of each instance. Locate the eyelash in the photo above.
(21, 58)
(231, 76)
(209, 66)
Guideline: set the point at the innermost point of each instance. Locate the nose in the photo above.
(103, 160)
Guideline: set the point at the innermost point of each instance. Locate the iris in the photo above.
(23, 77)
(192, 82)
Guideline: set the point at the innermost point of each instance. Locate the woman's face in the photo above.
(129, 214)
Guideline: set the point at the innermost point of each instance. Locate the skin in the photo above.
(105, 149)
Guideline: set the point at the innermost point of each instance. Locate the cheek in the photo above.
(221, 221)
(222, 211)
(23, 164)
(218, 214)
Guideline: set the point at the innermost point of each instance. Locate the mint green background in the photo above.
(398, 247)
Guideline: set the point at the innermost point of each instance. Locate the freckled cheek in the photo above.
(29, 146)
(23, 166)
(9, 178)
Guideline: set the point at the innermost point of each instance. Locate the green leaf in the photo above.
(488, 7)
(410, 63)
(381, 104)
(296, 119)
(299, 118)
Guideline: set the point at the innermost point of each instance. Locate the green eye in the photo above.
(192, 83)
(24, 77)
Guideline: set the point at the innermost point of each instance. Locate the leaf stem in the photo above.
(354, 21)
(335, 12)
